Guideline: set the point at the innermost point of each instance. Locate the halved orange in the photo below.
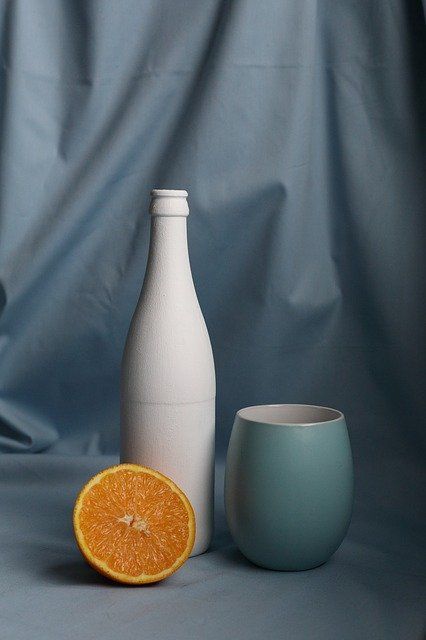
(133, 524)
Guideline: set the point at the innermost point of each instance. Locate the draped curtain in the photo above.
(298, 129)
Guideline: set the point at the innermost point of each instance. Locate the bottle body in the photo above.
(167, 378)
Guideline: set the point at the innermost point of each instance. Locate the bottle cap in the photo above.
(169, 202)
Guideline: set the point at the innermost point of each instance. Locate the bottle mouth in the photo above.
(169, 202)
(169, 193)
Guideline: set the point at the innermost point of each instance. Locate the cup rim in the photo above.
(338, 415)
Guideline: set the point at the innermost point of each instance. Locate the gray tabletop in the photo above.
(374, 587)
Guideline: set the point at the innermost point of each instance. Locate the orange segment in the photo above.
(133, 524)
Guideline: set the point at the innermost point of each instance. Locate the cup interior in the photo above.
(289, 414)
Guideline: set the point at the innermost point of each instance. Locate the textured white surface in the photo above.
(168, 202)
(178, 440)
(168, 379)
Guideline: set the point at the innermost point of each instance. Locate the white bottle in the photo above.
(168, 380)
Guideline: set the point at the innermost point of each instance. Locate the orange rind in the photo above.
(133, 524)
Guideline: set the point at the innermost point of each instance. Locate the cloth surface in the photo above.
(298, 129)
(374, 587)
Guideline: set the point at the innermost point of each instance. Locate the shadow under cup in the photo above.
(289, 484)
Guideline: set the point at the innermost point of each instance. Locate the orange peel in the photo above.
(133, 524)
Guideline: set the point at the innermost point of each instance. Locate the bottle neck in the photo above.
(168, 250)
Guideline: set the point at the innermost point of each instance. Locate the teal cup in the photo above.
(289, 484)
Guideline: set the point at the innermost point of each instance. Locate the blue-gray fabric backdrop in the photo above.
(298, 127)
